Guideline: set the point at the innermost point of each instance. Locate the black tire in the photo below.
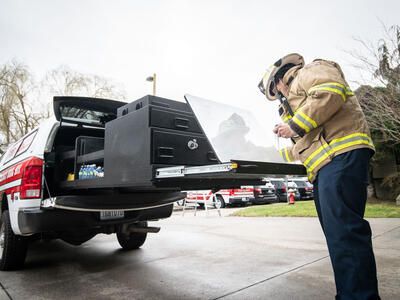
(13, 248)
(133, 240)
(221, 200)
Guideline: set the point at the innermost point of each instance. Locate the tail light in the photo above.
(257, 190)
(231, 192)
(31, 184)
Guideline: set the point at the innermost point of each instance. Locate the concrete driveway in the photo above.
(200, 258)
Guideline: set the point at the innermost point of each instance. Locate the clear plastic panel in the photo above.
(235, 133)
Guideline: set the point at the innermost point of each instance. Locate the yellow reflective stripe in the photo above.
(311, 121)
(301, 124)
(333, 90)
(316, 152)
(335, 145)
(359, 138)
(329, 84)
(310, 177)
(331, 151)
(282, 154)
(334, 141)
(286, 118)
(333, 87)
(287, 155)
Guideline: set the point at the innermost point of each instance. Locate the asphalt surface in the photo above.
(202, 257)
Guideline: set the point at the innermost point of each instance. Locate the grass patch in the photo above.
(307, 209)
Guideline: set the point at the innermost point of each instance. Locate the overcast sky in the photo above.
(213, 49)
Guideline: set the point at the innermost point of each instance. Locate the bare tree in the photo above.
(381, 103)
(20, 108)
(17, 116)
(64, 81)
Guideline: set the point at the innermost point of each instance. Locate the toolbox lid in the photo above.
(234, 132)
(85, 110)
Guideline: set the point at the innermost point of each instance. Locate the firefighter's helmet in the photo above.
(275, 72)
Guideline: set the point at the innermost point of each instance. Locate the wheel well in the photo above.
(4, 203)
(220, 196)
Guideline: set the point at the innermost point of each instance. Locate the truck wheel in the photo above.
(134, 240)
(219, 201)
(13, 248)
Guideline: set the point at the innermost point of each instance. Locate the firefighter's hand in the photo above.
(284, 130)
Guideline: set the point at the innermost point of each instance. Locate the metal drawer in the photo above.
(176, 148)
(170, 119)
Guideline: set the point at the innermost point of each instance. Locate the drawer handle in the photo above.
(181, 123)
(165, 152)
(211, 156)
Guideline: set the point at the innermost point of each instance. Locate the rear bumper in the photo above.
(59, 220)
(307, 196)
(239, 200)
(116, 201)
(265, 199)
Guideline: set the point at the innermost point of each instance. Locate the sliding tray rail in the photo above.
(225, 175)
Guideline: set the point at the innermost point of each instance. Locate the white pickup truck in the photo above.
(238, 196)
(103, 166)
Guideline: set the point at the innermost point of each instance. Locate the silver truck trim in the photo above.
(181, 171)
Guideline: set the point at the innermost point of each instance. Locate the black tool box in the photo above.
(155, 143)
(150, 133)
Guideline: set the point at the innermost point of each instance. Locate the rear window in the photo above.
(85, 115)
(11, 151)
(278, 184)
(19, 147)
(292, 184)
(26, 143)
(301, 183)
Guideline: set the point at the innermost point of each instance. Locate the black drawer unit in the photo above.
(167, 118)
(164, 113)
(153, 101)
(150, 133)
(176, 148)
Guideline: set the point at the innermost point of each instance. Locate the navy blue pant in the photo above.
(340, 192)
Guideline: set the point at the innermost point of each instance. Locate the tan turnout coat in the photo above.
(327, 116)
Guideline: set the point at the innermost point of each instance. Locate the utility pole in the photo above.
(153, 79)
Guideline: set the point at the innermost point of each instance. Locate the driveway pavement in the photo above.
(202, 257)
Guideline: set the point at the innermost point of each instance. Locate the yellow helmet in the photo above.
(275, 72)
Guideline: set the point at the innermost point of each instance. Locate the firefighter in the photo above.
(331, 138)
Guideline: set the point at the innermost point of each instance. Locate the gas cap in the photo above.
(192, 144)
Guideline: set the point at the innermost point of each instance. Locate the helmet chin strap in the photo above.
(285, 103)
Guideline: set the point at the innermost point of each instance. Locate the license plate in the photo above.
(111, 214)
(245, 199)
